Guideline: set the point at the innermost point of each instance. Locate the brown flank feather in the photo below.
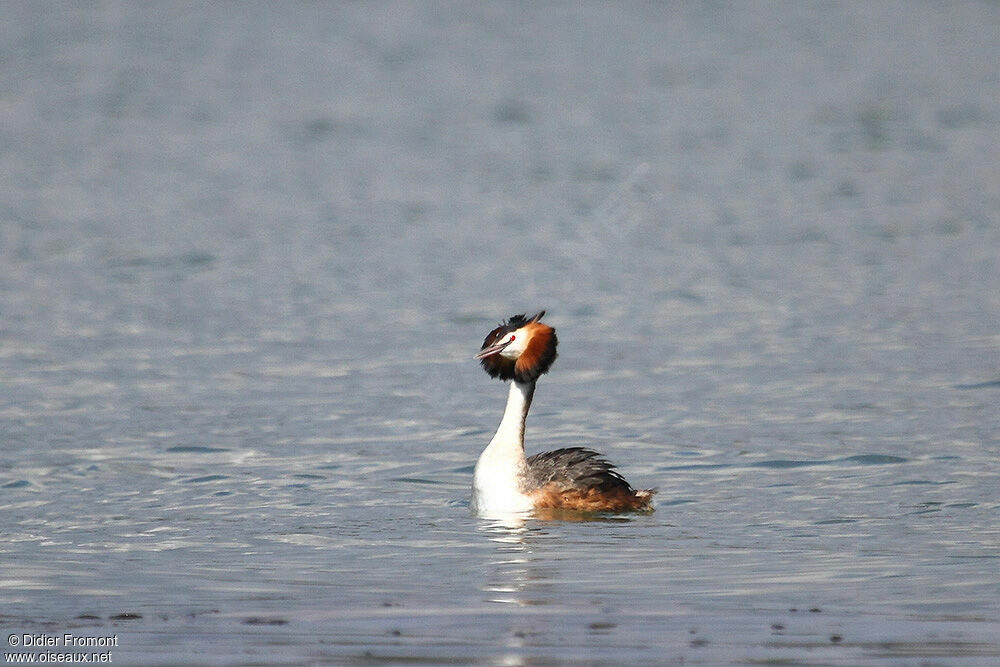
(556, 496)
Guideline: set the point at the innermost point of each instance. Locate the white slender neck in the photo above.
(498, 478)
(510, 433)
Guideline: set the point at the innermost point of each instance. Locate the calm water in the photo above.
(247, 252)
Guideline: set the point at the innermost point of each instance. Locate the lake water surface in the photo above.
(248, 251)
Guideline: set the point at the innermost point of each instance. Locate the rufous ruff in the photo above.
(521, 350)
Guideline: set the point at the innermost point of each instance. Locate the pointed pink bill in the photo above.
(491, 350)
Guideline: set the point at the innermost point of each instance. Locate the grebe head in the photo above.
(519, 349)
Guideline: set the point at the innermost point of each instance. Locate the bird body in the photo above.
(574, 478)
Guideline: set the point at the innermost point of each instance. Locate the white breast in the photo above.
(496, 484)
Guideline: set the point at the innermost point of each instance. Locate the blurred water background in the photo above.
(247, 251)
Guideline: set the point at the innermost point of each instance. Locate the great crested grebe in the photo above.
(521, 350)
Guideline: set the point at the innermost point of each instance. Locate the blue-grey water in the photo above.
(247, 251)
